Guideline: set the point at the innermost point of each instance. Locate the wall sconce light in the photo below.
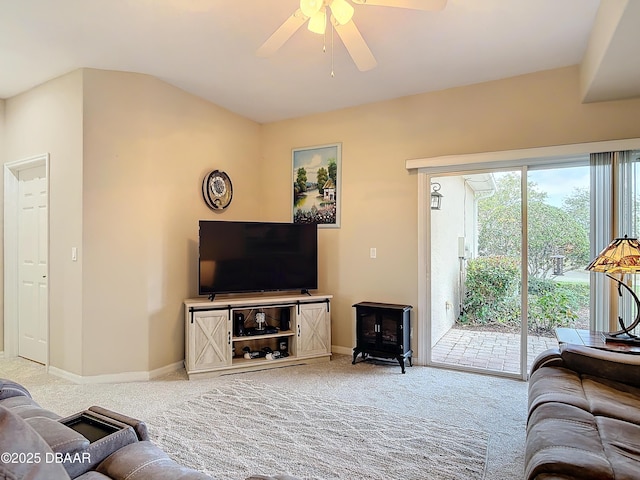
(436, 196)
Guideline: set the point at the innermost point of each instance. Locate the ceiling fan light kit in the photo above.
(311, 7)
(318, 23)
(315, 12)
(342, 11)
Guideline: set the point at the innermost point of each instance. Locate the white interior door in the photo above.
(32, 264)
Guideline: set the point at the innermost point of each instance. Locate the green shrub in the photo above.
(493, 297)
(492, 292)
(557, 306)
(540, 286)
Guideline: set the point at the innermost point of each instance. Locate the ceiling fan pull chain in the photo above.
(332, 36)
(324, 41)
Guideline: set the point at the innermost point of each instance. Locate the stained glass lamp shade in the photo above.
(621, 256)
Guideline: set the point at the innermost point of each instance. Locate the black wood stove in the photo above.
(383, 330)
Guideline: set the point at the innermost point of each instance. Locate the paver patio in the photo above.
(488, 350)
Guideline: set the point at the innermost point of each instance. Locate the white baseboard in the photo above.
(124, 377)
(2, 354)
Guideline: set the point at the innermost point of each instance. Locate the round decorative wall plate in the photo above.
(217, 190)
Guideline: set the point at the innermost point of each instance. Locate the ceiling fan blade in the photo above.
(426, 5)
(282, 34)
(356, 46)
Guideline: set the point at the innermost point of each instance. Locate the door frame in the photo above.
(11, 287)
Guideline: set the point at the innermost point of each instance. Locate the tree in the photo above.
(322, 177)
(577, 205)
(300, 186)
(333, 170)
(551, 231)
(554, 232)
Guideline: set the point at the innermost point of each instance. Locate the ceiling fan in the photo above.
(341, 17)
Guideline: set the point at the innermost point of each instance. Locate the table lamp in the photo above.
(621, 256)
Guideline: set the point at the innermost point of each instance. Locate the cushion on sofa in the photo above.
(556, 384)
(27, 451)
(621, 441)
(616, 366)
(9, 388)
(26, 407)
(564, 440)
(612, 399)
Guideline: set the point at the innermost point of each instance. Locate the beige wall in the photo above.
(127, 157)
(2, 161)
(48, 119)
(379, 195)
(447, 225)
(147, 147)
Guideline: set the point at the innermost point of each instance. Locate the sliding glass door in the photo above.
(508, 252)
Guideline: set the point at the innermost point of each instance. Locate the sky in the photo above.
(558, 183)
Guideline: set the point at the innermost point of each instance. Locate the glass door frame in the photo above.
(425, 284)
(430, 166)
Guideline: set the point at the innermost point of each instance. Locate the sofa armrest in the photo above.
(12, 389)
(58, 436)
(146, 461)
(620, 367)
(106, 436)
(548, 358)
(138, 426)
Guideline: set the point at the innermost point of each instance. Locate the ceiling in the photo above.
(207, 47)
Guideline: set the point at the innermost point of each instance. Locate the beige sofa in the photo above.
(584, 415)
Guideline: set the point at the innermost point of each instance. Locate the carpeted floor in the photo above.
(312, 437)
(490, 409)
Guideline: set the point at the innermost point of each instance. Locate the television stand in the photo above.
(297, 330)
(304, 291)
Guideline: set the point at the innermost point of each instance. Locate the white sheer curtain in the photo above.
(601, 234)
(614, 213)
(627, 201)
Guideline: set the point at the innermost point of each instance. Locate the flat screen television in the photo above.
(240, 257)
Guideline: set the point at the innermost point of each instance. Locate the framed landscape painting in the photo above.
(316, 185)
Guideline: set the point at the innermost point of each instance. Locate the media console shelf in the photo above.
(272, 330)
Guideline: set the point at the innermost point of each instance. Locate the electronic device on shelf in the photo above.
(240, 257)
(266, 352)
(238, 324)
(252, 331)
(285, 319)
